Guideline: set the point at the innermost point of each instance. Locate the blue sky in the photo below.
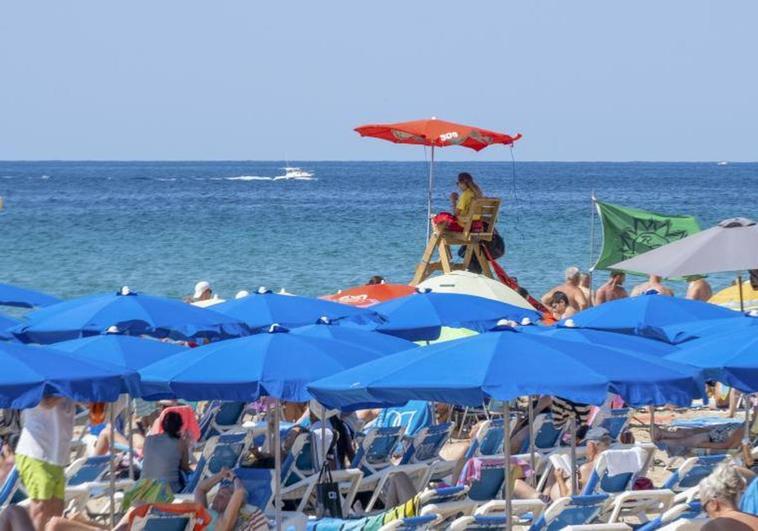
(242, 79)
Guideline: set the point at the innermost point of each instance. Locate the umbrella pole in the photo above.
(507, 464)
(277, 469)
(742, 298)
(592, 243)
(652, 422)
(573, 454)
(130, 434)
(323, 450)
(112, 465)
(532, 452)
(429, 197)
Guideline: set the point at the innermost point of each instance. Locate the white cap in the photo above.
(242, 293)
(569, 323)
(125, 290)
(506, 322)
(752, 313)
(320, 411)
(526, 321)
(201, 287)
(263, 289)
(112, 329)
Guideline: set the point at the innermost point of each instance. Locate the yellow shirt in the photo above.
(464, 202)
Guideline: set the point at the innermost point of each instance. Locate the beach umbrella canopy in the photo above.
(262, 309)
(420, 316)
(365, 339)
(132, 313)
(29, 373)
(731, 358)
(505, 364)
(603, 338)
(7, 322)
(24, 298)
(276, 363)
(370, 294)
(646, 315)
(122, 351)
(730, 297)
(683, 332)
(468, 283)
(435, 133)
(730, 246)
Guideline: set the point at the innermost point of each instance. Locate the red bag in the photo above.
(643, 483)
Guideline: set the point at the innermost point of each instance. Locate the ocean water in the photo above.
(72, 228)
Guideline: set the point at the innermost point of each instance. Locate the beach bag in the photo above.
(147, 491)
(328, 492)
(10, 422)
(496, 246)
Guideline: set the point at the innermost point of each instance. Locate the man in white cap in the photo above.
(203, 291)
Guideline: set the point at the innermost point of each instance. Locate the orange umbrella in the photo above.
(436, 133)
(365, 296)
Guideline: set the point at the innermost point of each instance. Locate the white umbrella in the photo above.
(467, 283)
(730, 246)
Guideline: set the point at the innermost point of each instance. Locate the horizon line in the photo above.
(638, 161)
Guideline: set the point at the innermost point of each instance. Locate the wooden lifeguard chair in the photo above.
(482, 214)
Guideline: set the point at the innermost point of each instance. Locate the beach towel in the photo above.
(628, 461)
(147, 491)
(198, 515)
(472, 470)
(404, 510)
(189, 421)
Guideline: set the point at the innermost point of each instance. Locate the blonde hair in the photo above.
(468, 182)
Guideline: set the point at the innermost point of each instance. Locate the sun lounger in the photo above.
(424, 448)
(259, 484)
(617, 422)
(169, 517)
(601, 481)
(643, 505)
(488, 441)
(221, 451)
(11, 490)
(683, 513)
(692, 471)
(413, 523)
(220, 417)
(86, 478)
(374, 458)
(546, 436)
(571, 510)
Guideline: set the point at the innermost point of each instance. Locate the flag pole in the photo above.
(592, 243)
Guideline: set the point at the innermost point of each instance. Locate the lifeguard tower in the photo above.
(478, 227)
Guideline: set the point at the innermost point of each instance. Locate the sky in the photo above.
(249, 80)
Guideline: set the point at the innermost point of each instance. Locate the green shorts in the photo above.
(42, 481)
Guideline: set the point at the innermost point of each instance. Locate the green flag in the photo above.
(628, 232)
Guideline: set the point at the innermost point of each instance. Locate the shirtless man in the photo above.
(698, 289)
(613, 289)
(571, 289)
(653, 284)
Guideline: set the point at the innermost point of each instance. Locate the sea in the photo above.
(74, 228)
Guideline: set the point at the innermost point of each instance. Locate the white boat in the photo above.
(722, 163)
(292, 172)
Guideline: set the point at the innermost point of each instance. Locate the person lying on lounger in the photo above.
(717, 437)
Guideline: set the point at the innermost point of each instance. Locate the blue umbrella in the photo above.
(382, 343)
(647, 314)
(123, 351)
(132, 313)
(604, 339)
(731, 358)
(262, 309)
(421, 316)
(29, 373)
(7, 322)
(679, 333)
(278, 364)
(506, 364)
(23, 297)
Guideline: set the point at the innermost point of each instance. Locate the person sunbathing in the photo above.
(228, 502)
(718, 437)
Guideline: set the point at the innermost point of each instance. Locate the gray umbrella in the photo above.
(730, 246)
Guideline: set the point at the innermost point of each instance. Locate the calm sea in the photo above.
(71, 228)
